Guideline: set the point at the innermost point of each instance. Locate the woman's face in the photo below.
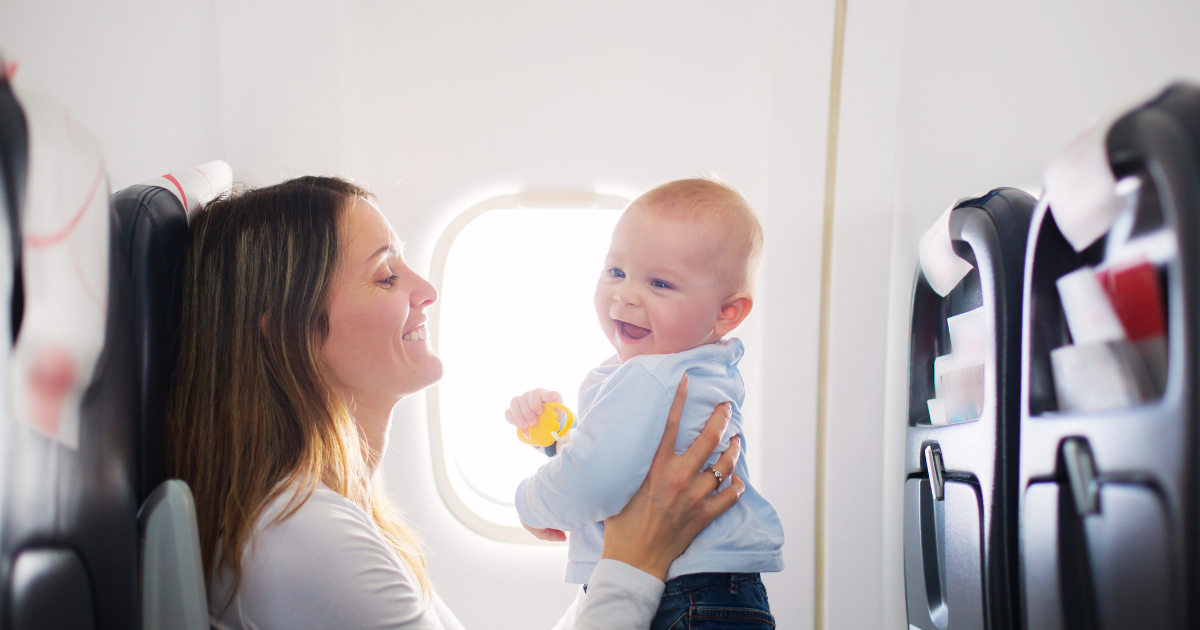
(376, 351)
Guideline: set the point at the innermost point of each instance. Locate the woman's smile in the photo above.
(417, 334)
(366, 313)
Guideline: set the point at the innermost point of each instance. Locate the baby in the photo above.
(678, 277)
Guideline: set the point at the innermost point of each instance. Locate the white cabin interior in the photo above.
(849, 125)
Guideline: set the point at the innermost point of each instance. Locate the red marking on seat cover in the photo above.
(51, 376)
(46, 240)
(171, 178)
(84, 281)
(202, 174)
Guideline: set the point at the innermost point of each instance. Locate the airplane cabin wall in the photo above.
(141, 75)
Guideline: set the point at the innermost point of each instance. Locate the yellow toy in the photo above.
(547, 431)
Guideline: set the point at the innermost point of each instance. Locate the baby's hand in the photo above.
(525, 409)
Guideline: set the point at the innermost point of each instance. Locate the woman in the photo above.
(302, 328)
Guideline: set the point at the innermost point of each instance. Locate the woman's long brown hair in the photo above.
(251, 414)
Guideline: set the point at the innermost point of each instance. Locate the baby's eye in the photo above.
(616, 273)
(659, 284)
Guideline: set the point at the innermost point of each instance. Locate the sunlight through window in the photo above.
(516, 313)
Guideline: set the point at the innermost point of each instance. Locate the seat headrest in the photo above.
(65, 249)
(154, 222)
(197, 185)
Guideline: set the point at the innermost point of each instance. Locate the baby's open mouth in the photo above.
(630, 331)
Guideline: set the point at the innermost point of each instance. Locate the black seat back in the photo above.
(153, 233)
(1110, 517)
(960, 506)
(68, 505)
(154, 227)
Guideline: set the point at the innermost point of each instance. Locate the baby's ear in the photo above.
(733, 313)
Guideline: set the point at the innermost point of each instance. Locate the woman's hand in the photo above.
(524, 410)
(676, 500)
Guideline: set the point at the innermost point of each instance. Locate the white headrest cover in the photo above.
(197, 185)
(64, 236)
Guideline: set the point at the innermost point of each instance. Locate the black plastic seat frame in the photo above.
(960, 560)
(1110, 528)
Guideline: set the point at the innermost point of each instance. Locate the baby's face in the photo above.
(660, 291)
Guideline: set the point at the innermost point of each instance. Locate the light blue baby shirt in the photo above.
(622, 413)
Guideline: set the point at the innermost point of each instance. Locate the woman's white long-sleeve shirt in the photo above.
(327, 566)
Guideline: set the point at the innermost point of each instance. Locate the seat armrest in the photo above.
(173, 593)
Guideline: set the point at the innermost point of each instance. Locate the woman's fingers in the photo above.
(728, 459)
(709, 439)
(675, 501)
(718, 503)
(666, 447)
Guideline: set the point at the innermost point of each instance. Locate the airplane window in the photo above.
(516, 281)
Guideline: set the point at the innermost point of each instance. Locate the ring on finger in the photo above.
(716, 473)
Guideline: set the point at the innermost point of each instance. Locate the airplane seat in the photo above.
(1109, 517)
(68, 501)
(154, 225)
(154, 222)
(962, 442)
(13, 153)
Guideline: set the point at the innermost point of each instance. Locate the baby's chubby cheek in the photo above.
(682, 329)
(603, 301)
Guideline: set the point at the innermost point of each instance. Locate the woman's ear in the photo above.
(733, 313)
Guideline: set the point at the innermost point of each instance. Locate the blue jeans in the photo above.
(714, 600)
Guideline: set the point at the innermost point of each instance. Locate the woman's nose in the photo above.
(423, 293)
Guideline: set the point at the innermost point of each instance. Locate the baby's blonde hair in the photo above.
(705, 199)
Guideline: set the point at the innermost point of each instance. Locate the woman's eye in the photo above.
(616, 273)
(659, 284)
(389, 280)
